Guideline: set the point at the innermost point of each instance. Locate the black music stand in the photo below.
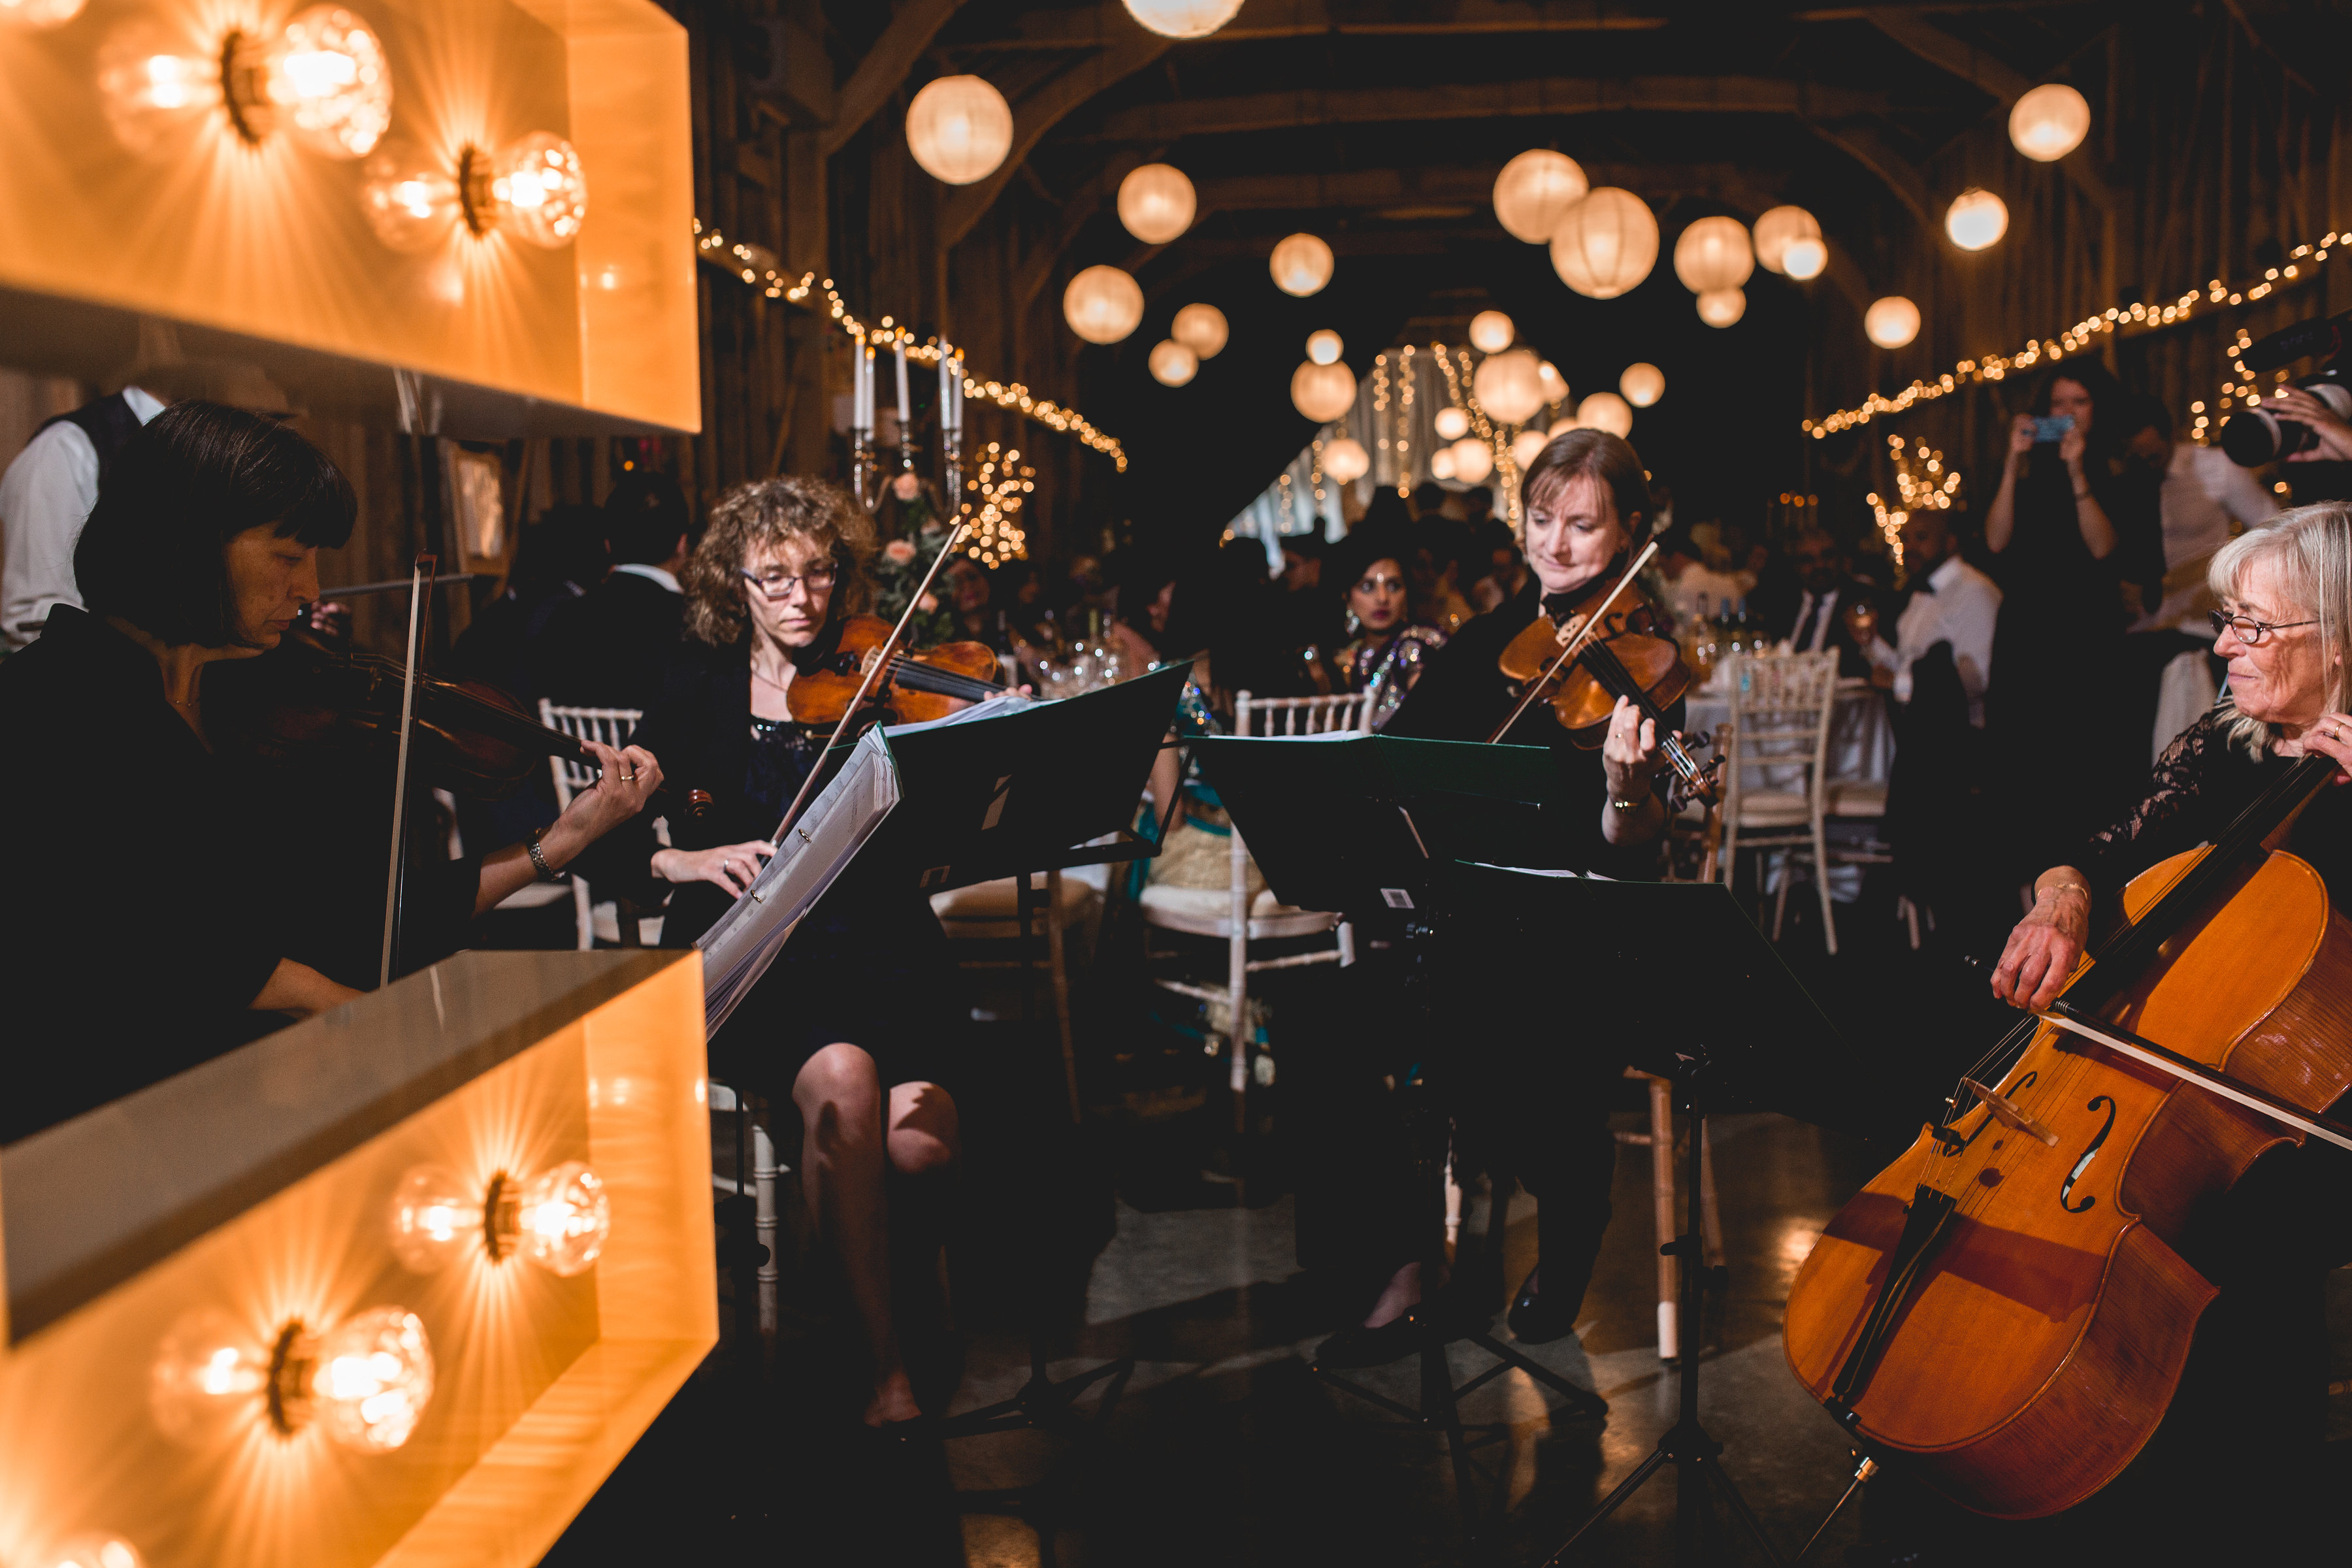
(1371, 827)
(1705, 1001)
(1012, 795)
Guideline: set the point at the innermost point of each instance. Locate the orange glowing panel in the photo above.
(519, 230)
(395, 1285)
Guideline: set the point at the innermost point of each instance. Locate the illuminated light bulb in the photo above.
(1452, 424)
(366, 1382)
(95, 1551)
(1301, 265)
(2049, 122)
(1534, 189)
(153, 88)
(1510, 386)
(1892, 321)
(208, 1377)
(1324, 347)
(1183, 18)
(1805, 258)
(1103, 304)
(438, 1217)
(1605, 244)
(564, 1219)
(1777, 230)
(560, 1220)
(1555, 385)
(1346, 461)
(1173, 363)
(1441, 463)
(1491, 331)
(1976, 219)
(33, 14)
(1722, 307)
(537, 186)
(1156, 203)
(1643, 383)
(1322, 392)
(1202, 329)
(1527, 445)
(329, 82)
(1474, 461)
(960, 129)
(410, 199)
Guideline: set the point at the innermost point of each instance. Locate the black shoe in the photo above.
(1533, 1321)
(1357, 1346)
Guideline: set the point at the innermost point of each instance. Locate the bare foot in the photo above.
(893, 1401)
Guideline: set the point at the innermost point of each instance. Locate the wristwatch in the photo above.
(546, 873)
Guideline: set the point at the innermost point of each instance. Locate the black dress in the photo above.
(869, 966)
(142, 913)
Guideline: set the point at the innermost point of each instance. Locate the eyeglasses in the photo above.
(780, 585)
(2249, 630)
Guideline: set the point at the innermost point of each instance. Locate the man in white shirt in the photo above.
(2202, 491)
(1951, 602)
(46, 497)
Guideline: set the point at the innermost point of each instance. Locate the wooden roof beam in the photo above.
(886, 65)
(1038, 112)
(1989, 75)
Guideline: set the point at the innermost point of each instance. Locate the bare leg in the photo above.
(843, 1155)
(924, 1144)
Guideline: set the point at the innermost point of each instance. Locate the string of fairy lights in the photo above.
(1003, 482)
(2301, 266)
(1923, 482)
(760, 269)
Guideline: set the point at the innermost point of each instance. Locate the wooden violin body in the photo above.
(2027, 1352)
(1627, 657)
(920, 685)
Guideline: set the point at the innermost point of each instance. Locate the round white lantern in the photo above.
(1202, 329)
(1451, 422)
(1892, 321)
(960, 128)
(1510, 386)
(1776, 229)
(1805, 258)
(1713, 255)
(1173, 364)
(1157, 203)
(1555, 385)
(1605, 244)
(1441, 463)
(2049, 122)
(1346, 461)
(1605, 411)
(1183, 18)
(1301, 265)
(1643, 383)
(1322, 392)
(1324, 347)
(1976, 219)
(1474, 461)
(1534, 189)
(1525, 445)
(1103, 304)
(1491, 331)
(1722, 307)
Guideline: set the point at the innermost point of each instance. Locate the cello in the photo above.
(2007, 1307)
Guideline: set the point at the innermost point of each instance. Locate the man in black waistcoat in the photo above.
(44, 498)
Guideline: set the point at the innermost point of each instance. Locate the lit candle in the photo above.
(899, 346)
(861, 388)
(947, 390)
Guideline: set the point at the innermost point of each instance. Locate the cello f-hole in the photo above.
(2083, 1163)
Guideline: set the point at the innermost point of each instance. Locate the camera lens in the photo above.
(2256, 435)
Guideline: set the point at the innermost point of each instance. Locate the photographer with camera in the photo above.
(2308, 420)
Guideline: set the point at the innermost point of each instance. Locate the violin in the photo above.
(916, 684)
(1609, 646)
(2008, 1308)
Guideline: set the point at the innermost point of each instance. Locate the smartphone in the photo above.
(2048, 428)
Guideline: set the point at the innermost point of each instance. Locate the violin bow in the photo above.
(1575, 644)
(879, 664)
(418, 578)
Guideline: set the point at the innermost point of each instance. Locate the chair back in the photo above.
(607, 726)
(1299, 715)
(1781, 705)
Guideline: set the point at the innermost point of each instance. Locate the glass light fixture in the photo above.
(411, 199)
(1324, 346)
(329, 82)
(153, 86)
(96, 1550)
(561, 1220)
(1451, 422)
(1301, 265)
(31, 14)
(534, 189)
(1491, 331)
(538, 188)
(1202, 329)
(322, 78)
(1976, 219)
(364, 1382)
(1173, 364)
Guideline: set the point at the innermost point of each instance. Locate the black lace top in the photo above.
(2201, 783)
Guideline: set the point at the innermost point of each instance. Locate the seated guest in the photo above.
(855, 1021)
(1951, 602)
(1695, 590)
(1388, 650)
(611, 648)
(203, 547)
(1831, 609)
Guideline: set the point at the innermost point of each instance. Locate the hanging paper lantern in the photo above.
(1450, 424)
(1525, 445)
(1976, 219)
(1805, 258)
(1643, 383)
(1722, 307)
(1605, 411)
(1157, 203)
(1491, 331)
(1301, 265)
(1324, 346)
(1183, 18)
(1441, 463)
(1892, 321)
(1346, 461)
(1605, 244)
(1534, 189)
(1173, 364)
(2049, 122)
(1510, 386)
(960, 128)
(1474, 461)
(1713, 255)
(1555, 385)
(1322, 392)
(1776, 229)
(1202, 329)
(1103, 304)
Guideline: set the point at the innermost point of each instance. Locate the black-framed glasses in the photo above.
(2249, 630)
(780, 585)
